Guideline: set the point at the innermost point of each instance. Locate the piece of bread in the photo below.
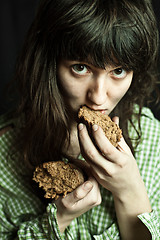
(58, 178)
(111, 129)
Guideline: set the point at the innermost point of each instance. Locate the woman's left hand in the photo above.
(114, 168)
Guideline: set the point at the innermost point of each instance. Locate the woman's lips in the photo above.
(103, 111)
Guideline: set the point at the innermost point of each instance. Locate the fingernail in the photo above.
(95, 127)
(80, 126)
(87, 186)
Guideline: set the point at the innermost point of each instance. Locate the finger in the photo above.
(108, 149)
(123, 147)
(94, 196)
(86, 195)
(116, 120)
(79, 193)
(74, 197)
(88, 149)
(85, 141)
(105, 146)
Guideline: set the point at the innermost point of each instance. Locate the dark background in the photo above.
(15, 19)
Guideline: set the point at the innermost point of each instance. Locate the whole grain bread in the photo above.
(110, 128)
(58, 178)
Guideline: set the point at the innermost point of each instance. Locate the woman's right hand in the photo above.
(74, 204)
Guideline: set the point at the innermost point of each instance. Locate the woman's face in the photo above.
(99, 89)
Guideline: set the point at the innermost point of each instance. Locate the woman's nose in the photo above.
(97, 92)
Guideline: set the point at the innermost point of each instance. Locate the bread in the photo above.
(58, 178)
(91, 117)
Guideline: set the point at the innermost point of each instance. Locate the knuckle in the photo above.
(93, 202)
(107, 151)
(96, 201)
(91, 153)
(112, 172)
(65, 204)
(99, 201)
(100, 177)
(123, 163)
(77, 194)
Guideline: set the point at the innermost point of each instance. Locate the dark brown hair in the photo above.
(120, 32)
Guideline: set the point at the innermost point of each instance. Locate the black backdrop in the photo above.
(15, 18)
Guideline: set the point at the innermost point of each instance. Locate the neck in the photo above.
(72, 148)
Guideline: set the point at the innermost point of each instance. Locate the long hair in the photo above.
(123, 33)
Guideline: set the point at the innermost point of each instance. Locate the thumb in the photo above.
(80, 192)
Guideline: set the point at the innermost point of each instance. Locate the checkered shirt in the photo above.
(24, 216)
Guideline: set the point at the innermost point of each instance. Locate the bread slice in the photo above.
(58, 178)
(110, 128)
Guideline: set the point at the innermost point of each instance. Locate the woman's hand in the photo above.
(116, 170)
(77, 202)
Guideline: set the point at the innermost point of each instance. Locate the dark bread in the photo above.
(58, 178)
(111, 129)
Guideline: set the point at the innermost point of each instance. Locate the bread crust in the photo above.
(110, 128)
(58, 178)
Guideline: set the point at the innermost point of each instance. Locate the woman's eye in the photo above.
(80, 69)
(119, 73)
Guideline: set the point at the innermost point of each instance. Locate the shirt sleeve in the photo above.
(22, 214)
(110, 234)
(46, 227)
(148, 159)
(42, 227)
(26, 224)
(152, 222)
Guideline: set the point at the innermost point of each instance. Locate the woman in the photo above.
(101, 54)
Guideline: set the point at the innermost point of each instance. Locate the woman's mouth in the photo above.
(103, 111)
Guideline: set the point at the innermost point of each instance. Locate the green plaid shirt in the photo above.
(24, 216)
